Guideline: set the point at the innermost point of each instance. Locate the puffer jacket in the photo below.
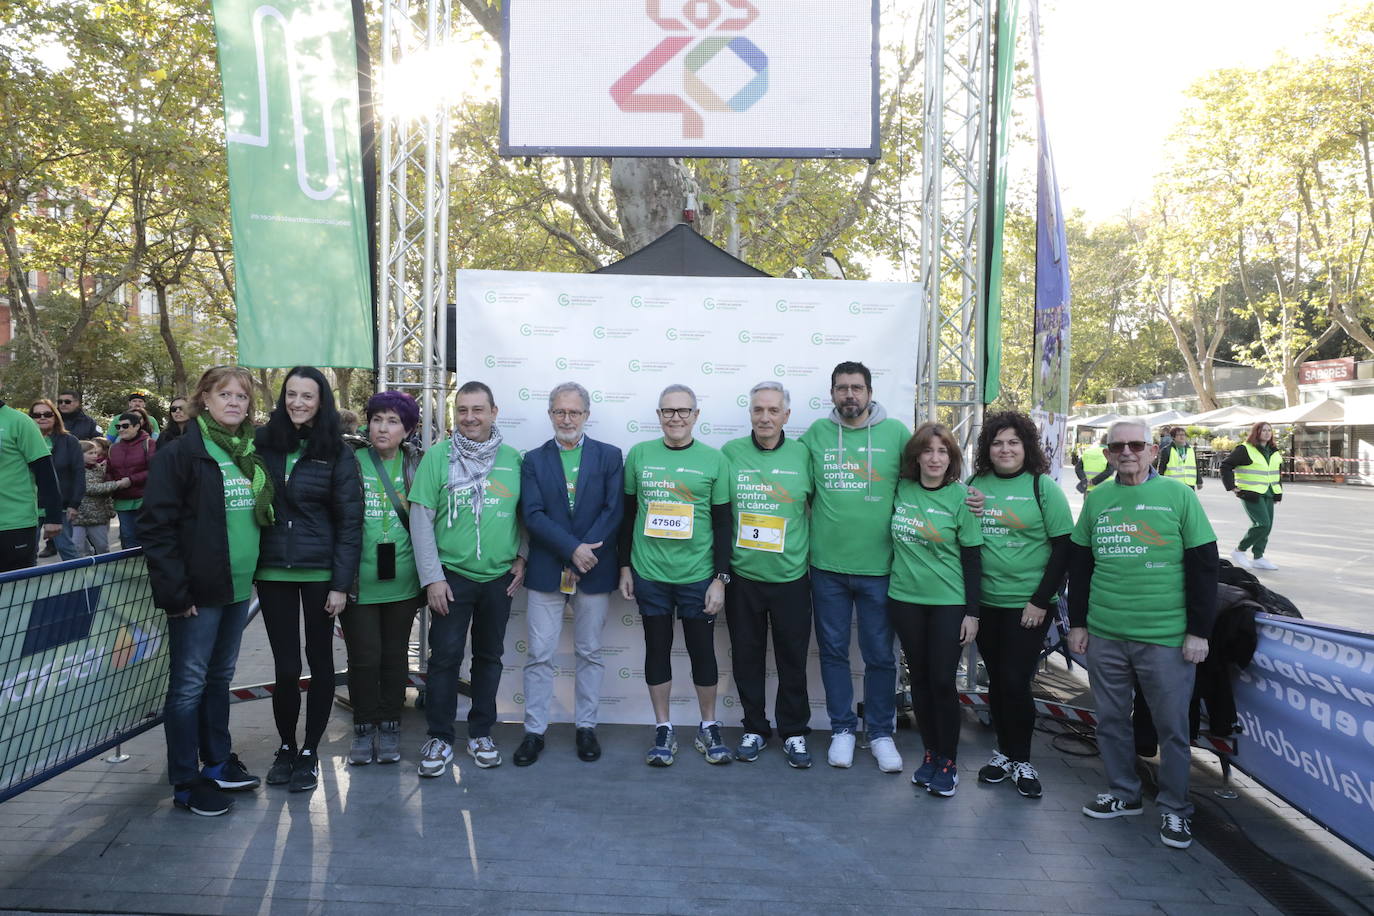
(131, 460)
(97, 507)
(319, 516)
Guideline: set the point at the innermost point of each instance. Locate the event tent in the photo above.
(1225, 417)
(1357, 411)
(1159, 419)
(682, 252)
(1099, 421)
(1326, 410)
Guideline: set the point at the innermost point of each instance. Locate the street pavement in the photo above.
(618, 837)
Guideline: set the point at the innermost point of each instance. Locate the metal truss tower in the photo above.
(957, 112)
(414, 294)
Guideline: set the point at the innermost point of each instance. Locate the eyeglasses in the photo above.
(125, 426)
(566, 414)
(849, 389)
(682, 413)
(45, 415)
(1116, 448)
(65, 401)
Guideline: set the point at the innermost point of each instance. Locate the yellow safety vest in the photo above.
(1094, 463)
(1260, 475)
(1182, 465)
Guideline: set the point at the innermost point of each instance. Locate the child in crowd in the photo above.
(92, 523)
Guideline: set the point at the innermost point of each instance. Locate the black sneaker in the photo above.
(231, 775)
(529, 750)
(279, 774)
(996, 769)
(305, 772)
(588, 748)
(201, 797)
(1175, 831)
(1025, 778)
(1108, 805)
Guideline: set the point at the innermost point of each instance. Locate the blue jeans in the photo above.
(486, 607)
(835, 598)
(204, 651)
(128, 528)
(66, 547)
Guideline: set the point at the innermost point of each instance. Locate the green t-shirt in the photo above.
(855, 473)
(381, 525)
(928, 528)
(676, 489)
(20, 443)
(1137, 536)
(768, 494)
(128, 505)
(572, 463)
(1016, 535)
(455, 529)
(277, 573)
(241, 525)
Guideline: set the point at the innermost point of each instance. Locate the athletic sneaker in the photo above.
(996, 769)
(1238, 558)
(201, 797)
(841, 749)
(1264, 563)
(483, 751)
(231, 775)
(1176, 831)
(794, 749)
(279, 774)
(662, 754)
(435, 755)
(1108, 805)
(945, 780)
(389, 742)
(749, 747)
(364, 746)
(926, 771)
(708, 741)
(1026, 779)
(305, 773)
(884, 751)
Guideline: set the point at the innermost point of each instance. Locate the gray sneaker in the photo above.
(794, 749)
(711, 746)
(389, 742)
(483, 751)
(364, 744)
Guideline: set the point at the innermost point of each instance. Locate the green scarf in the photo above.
(246, 458)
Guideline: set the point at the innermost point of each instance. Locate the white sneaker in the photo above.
(1239, 558)
(841, 749)
(483, 750)
(434, 757)
(885, 752)
(1264, 563)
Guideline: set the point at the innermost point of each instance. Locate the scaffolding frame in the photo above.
(412, 320)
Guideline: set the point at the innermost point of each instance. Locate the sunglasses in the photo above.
(1116, 448)
(65, 401)
(178, 408)
(45, 415)
(125, 426)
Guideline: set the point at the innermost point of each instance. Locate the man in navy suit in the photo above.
(571, 498)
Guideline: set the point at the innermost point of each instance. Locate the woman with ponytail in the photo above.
(207, 495)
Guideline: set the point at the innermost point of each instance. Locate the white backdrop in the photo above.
(625, 338)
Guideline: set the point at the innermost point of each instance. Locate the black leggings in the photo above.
(282, 607)
(1011, 653)
(930, 639)
(697, 632)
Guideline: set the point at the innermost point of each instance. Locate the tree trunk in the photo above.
(650, 195)
(164, 328)
(343, 379)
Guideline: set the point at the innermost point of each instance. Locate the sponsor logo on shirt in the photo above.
(1144, 508)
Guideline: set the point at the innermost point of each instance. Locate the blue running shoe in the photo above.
(664, 749)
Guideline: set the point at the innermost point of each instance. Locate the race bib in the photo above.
(567, 585)
(761, 532)
(668, 520)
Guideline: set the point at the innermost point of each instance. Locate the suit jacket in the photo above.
(555, 531)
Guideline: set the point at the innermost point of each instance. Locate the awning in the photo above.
(1101, 420)
(1159, 419)
(1359, 411)
(1325, 411)
(1225, 417)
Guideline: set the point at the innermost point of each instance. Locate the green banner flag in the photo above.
(301, 270)
(1005, 55)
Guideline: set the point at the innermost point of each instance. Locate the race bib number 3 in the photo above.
(668, 520)
(761, 532)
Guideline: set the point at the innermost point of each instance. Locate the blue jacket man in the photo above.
(571, 499)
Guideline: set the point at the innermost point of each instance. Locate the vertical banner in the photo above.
(301, 262)
(627, 337)
(1004, 78)
(1050, 378)
(1306, 702)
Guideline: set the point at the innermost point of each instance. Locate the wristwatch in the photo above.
(723, 578)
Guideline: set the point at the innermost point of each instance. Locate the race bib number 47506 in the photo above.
(668, 520)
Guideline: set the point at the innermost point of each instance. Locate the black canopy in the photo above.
(681, 252)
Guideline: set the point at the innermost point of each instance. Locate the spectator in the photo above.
(179, 417)
(348, 422)
(137, 401)
(71, 477)
(128, 464)
(91, 527)
(74, 418)
(26, 480)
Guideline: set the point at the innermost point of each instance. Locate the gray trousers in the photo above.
(1167, 683)
(545, 617)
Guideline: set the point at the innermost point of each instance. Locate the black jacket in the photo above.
(183, 528)
(80, 425)
(70, 464)
(319, 515)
